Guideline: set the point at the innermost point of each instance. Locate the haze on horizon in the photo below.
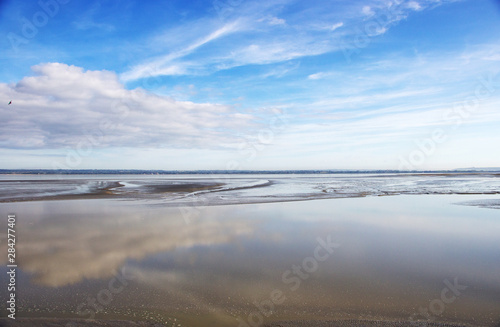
(252, 85)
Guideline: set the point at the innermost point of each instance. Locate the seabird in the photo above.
(10, 102)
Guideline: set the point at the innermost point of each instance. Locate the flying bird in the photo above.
(10, 102)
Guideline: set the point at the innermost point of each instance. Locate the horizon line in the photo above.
(242, 171)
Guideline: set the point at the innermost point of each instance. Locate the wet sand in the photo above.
(360, 323)
(196, 190)
(51, 322)
(40, 322)
(184, 187)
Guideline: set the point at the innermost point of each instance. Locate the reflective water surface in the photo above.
(406, 257)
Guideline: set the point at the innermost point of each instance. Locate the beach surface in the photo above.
(203, 190)
(122, 323)
(252, 250)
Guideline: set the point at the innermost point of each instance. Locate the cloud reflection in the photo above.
(95, 241)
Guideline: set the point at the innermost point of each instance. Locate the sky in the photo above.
(257, 85)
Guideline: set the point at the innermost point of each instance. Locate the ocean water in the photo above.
(411, 256)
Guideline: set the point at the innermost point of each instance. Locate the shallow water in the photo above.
(202, 190)
(389, 257)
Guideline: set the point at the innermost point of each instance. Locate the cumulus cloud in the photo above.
(62, 105)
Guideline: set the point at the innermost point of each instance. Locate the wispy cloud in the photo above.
(336, 26)
(87, 20)
(414, 5)
(273, 20)
(259, 36)
(367, 11)
(319, 75)
(164, 65)
(281, 70)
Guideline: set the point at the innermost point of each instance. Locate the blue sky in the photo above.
(239, 84)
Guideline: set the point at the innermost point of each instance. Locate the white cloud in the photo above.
(276, 21)
(414, 5)
(367, 10)
(274, 51)
(281, 70)
(336, 26)
(271, 20)
(62, 106)
(319, 75)
(380, 31)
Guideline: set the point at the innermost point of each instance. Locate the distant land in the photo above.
(209, 172)
(479, 169)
